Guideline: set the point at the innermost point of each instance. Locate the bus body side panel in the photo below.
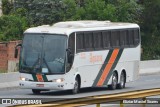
(129, 62)
(131, 59)
(88, 64)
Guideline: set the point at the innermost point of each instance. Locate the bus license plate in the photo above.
(40, 85)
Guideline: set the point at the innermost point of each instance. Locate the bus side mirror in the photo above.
(16, 50)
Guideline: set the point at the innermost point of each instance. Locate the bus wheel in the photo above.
(122, 81)
(114, 82)
(76, 87)
(36, 91)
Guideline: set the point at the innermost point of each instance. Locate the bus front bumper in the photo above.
(41, 85)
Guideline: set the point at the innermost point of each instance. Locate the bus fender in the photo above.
(77, 74)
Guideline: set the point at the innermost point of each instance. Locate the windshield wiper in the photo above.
(33, 67)
(46, 63)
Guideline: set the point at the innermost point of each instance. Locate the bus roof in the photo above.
(75, 26)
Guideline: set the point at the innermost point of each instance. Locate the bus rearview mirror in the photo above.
(16, 50)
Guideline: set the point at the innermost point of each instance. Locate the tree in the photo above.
(69, 9)
(40, 12)
(119, 10)
(98, 10)
(47, 12)
(151, 20)
(128, 11)
(11, 27)
(150, 26)
(7, 7)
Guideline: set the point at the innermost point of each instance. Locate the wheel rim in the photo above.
(114, 81)
(122, 80)
(76, 87)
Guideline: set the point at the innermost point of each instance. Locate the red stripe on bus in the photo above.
(108, 67)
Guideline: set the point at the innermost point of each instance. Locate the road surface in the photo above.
(144, 82)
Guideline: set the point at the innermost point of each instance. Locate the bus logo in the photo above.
(39, 78)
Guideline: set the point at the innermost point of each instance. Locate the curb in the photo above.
(149, 71)
(9, 80)
(8, 85)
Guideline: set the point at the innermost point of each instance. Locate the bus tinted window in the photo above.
(124, 41)
(115, 39)
(71, 42)
(131, 37)
(101, 40)
(80, 42)
(88, 39)
(136, 37)
(106, 39)
(97, 40)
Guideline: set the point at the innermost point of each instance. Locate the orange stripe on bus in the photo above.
(39, 78)
(108, 67)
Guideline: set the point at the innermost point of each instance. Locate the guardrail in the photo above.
(98, 99)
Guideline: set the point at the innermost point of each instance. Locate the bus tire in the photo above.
(76, 86)
(122, 81)
(36, 91)
(113, 85)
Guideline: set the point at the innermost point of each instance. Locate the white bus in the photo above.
(77, 54)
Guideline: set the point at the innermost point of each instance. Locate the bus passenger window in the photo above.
(80, 42)
(97, 40)
(131, 37)
(70, 51)
(71, 43)
(115, 39)
(88, 39)
(136, 37)
(123, 38)
(106, 39)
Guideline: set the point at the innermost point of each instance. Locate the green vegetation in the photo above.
(21, 14)
(150, 27)
(7, 7)
(11, 27)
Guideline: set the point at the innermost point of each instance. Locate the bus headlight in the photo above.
(24, 79)
(58, 80)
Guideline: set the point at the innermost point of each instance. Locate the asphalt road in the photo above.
(144, 82)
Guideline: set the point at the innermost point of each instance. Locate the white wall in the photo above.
(150, 66)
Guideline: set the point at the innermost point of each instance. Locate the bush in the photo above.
(7, 7)
(12, 27)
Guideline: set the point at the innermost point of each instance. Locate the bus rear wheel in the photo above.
(122, 81)
(76, 87)
(114, 82)
(36, 91)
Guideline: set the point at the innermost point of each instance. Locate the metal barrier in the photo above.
(98, 99)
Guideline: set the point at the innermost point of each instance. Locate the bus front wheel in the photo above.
(76, 87)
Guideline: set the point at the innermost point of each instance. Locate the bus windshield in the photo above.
(43, 53)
